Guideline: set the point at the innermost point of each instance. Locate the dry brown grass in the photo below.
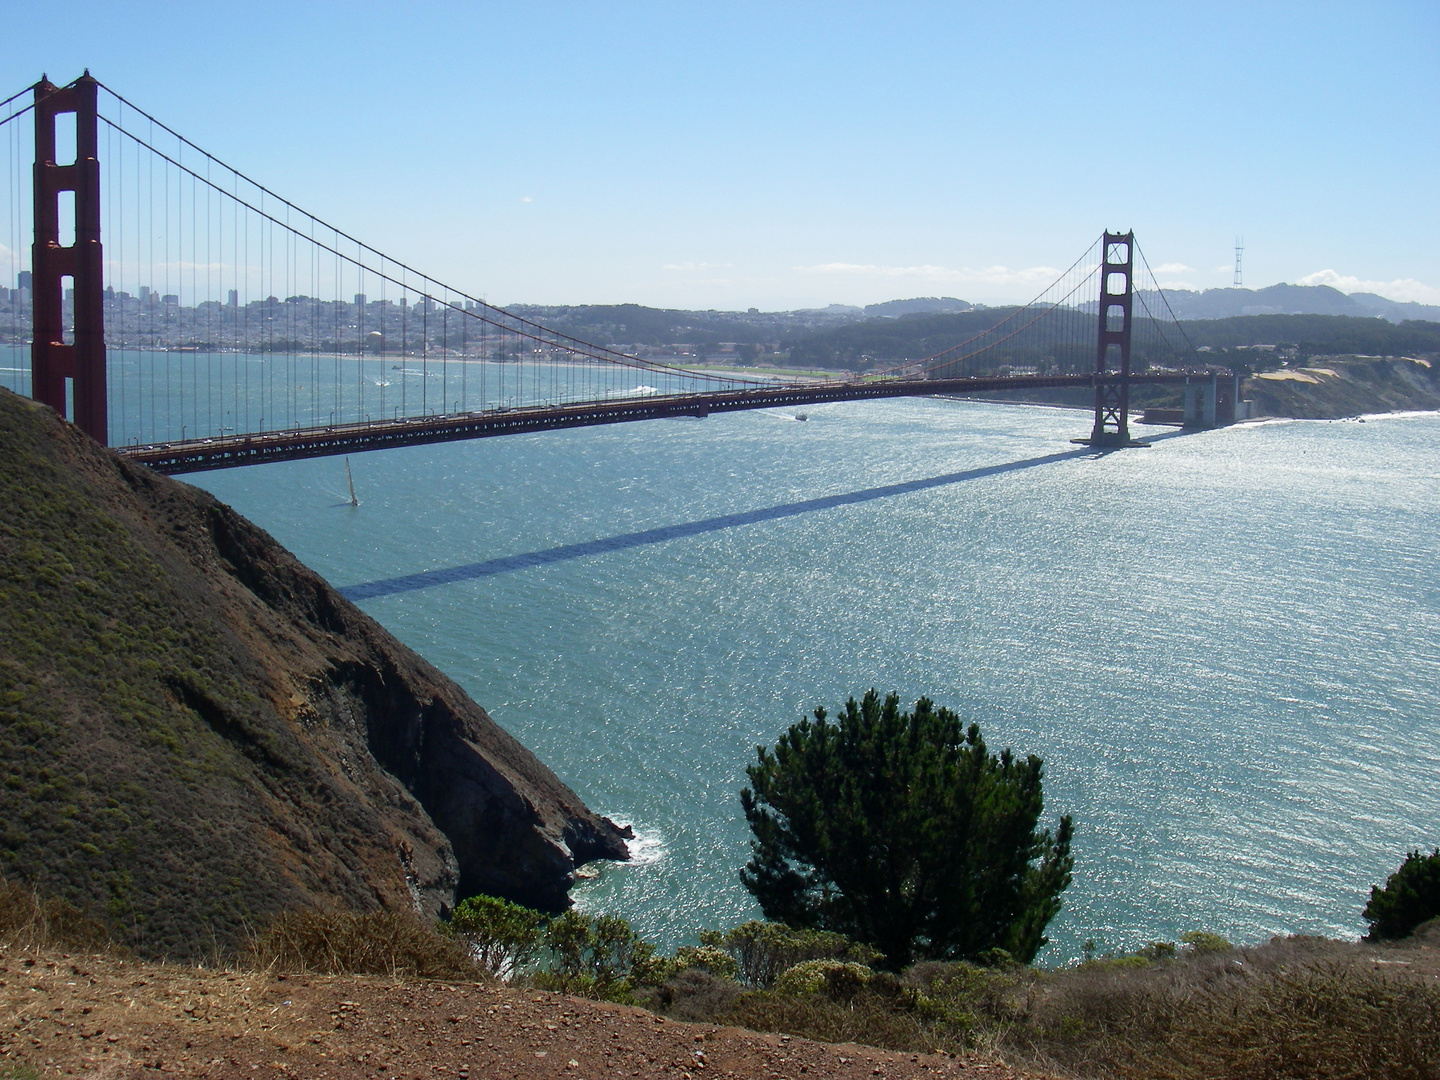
(361, 943)
(865, 1019)
(29, 921)
(1296, 1008)
(1328, 1022)
(1302, 1008)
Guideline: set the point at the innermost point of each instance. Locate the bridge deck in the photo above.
(198, 455)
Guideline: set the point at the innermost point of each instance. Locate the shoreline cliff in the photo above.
(199, 732)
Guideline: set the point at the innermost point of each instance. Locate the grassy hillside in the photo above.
(197, 732)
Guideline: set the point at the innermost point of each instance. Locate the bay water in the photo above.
(1226, 648)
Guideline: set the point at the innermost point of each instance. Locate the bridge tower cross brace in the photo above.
(52, 360)
(1112, 384)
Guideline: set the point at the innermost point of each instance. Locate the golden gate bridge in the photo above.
(217, 324)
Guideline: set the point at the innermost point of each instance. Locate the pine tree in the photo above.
(1410, 897)
(903, 830)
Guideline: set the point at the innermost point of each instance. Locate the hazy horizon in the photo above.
(937, 296)
(795, 156)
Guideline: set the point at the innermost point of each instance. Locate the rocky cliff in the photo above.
(1333, 388)
(196, 731)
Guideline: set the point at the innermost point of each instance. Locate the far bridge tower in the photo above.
(1112, 355)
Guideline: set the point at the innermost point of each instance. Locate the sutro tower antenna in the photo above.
(1239, 251)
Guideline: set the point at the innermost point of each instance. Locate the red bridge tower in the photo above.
(1112, 357)
(52, 360)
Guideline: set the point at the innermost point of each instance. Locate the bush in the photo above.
(362, 943)
(598, 957)
(1202, 941)
(706, 958)
(835, 978)
(763, 951)
(693, 995)
(1410, 897)
(502, 937)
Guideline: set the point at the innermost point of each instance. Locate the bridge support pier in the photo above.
(1112, 355)
(1212, 402)
(81, 361)
(1200, 396)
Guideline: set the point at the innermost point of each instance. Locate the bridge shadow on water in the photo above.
(505, 564)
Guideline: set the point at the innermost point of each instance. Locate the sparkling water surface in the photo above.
(1226, 647)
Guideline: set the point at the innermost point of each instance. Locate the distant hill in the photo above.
(706, 331)
(879, 343)
(1292, 300)
(637, 325)
(922, 305)
(197, 731)
(840, 336)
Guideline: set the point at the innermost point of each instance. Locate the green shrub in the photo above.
(502, 937)
(1159, 950)
(1202, 941)
(963, 997)
(838, 979)
(763, 951)
(706, 958)
(598, 957)
(1410, 897)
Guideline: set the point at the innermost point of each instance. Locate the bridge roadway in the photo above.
(197, 455)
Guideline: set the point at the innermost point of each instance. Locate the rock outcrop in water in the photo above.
(197, 731)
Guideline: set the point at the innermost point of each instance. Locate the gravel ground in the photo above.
(101, 1017)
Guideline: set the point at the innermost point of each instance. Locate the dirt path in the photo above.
(99, 1017)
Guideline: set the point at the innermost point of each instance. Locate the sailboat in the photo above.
(351, 481)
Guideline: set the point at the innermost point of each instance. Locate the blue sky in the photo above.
(728, 155)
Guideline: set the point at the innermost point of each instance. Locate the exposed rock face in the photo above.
(197, 731)
(1333, 389)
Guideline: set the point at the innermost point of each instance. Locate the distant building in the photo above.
(234, 298)
(23, 280)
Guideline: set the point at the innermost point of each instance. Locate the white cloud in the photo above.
(1402, 289)
(990, 275)
(526, 198)
(1174, 268)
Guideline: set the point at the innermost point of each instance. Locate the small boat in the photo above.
(801, 416)
(351, 481)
